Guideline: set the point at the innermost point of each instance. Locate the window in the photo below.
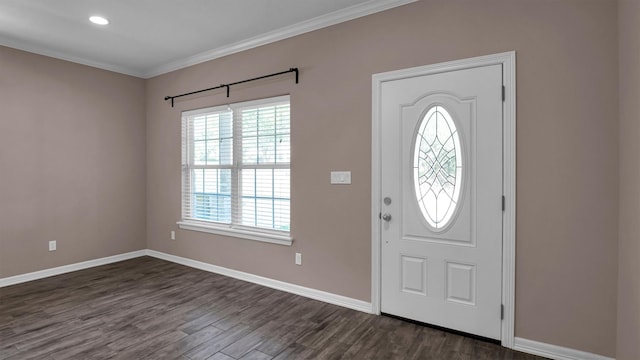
(437, 167)
(236, 170)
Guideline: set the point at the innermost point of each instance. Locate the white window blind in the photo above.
(236, 166)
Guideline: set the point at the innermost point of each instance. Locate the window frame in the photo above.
(234, 228)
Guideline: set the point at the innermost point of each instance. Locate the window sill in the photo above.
(234, 232)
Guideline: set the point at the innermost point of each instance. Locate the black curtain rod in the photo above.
(228, 86)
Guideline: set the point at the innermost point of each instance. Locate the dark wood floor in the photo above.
(147, 308)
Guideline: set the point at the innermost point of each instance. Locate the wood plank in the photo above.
(146, 308)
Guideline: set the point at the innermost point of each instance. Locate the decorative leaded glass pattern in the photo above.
(437, 167)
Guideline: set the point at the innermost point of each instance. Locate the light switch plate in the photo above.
(341, 177)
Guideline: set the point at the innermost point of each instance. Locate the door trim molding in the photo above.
(508, 62)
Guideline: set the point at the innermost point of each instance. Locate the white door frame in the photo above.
(508, 62)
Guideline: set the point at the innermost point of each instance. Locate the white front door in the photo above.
(441, 186)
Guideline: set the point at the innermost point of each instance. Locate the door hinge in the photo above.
(501, 312)
(504, 92)
(504, 203)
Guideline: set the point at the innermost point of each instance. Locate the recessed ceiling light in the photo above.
(99, 20)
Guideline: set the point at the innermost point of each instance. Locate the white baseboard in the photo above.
(274, 284)
(13, 280)
(554, 351)
(324, 296)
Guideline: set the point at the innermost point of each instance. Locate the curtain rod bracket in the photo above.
(167, 98)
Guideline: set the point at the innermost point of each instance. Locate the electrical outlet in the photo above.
(298, 259)
(53, 245)
(173, 235)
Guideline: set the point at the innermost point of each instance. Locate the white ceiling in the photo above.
(150, 37)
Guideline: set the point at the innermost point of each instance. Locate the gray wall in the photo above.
(567, 215)
(629, 245)
(72, 154)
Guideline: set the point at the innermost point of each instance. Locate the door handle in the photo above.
(386, 217)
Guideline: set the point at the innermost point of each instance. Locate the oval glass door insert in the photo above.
(437, 167)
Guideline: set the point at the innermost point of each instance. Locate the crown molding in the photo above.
(74, 59)
(336, 17)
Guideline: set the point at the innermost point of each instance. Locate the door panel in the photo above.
(461, 283)
(414, 274)
(442, 170)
